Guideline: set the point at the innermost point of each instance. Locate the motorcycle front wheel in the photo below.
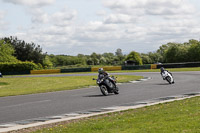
(116, 91)
(104, 90)
(168, 79)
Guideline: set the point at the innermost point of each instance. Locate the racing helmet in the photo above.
(100, 70)
(162, 69)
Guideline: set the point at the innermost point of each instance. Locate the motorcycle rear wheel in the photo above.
(104, 90)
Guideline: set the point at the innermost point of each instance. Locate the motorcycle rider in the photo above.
(106, 83)
(102, 74)
(162, 69)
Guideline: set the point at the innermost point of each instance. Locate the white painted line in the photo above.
(72, 114)
(144, 79)
(134, 81)
(7, 125)
(111, 108)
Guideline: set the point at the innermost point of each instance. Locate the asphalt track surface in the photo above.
(18, 108)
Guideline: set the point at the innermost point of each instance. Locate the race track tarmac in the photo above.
(18, 108)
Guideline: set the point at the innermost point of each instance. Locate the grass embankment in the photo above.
(178, 116)
(32, 85)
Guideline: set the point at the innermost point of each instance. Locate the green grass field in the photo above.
(175, 117)
(32, 85)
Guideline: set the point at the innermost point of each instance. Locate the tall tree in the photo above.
(146, 59)
(176, 53)
(95, 58)
(118, 52)
(134, 56)
(119, 57)
(47, 62)
(109, 57)
(6, 52)
(194, 51)
(26, 51)
(155, 57)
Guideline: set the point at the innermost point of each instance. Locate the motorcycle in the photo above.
(167, 76)
(107, 85)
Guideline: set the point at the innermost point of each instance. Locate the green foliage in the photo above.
(95, 58)
(65, 60)
(6, 52)
(194, 51)
(176, 53)
(134, 56)
(47, 63)
(39, 66)
(12, 50)
(118, 52)
(85, 60)
(17, 66)
(120, 58)
(26, 51)
(146, 59)
(155, 57)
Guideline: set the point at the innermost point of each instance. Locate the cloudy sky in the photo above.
(85, 26)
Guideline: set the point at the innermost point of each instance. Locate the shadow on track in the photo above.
(163, 84)
(100, 95)
(94, 96)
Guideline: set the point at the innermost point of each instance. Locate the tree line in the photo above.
(174, 53)
(13, 50)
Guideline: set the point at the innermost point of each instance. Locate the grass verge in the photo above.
(178, 116)
(32, 85)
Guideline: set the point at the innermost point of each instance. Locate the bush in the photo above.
(17, 66)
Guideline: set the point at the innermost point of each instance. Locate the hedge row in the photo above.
(136, 67)
(107, 68)
(87, 69)
(17, 67)
(179, 65)
(47, 71)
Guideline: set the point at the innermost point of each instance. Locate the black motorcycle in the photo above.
(107, 85)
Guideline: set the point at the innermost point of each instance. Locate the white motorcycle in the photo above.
(167, 76)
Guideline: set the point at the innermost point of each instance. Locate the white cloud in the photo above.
(140, 25)
(101, 13)
(3, 23)
(152, 18)
(118, 18)
(2, 15)
(151, 7)
(63, 17)
(40, 18)
(31, 3)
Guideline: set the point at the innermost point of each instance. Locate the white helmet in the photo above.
(100, 70)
